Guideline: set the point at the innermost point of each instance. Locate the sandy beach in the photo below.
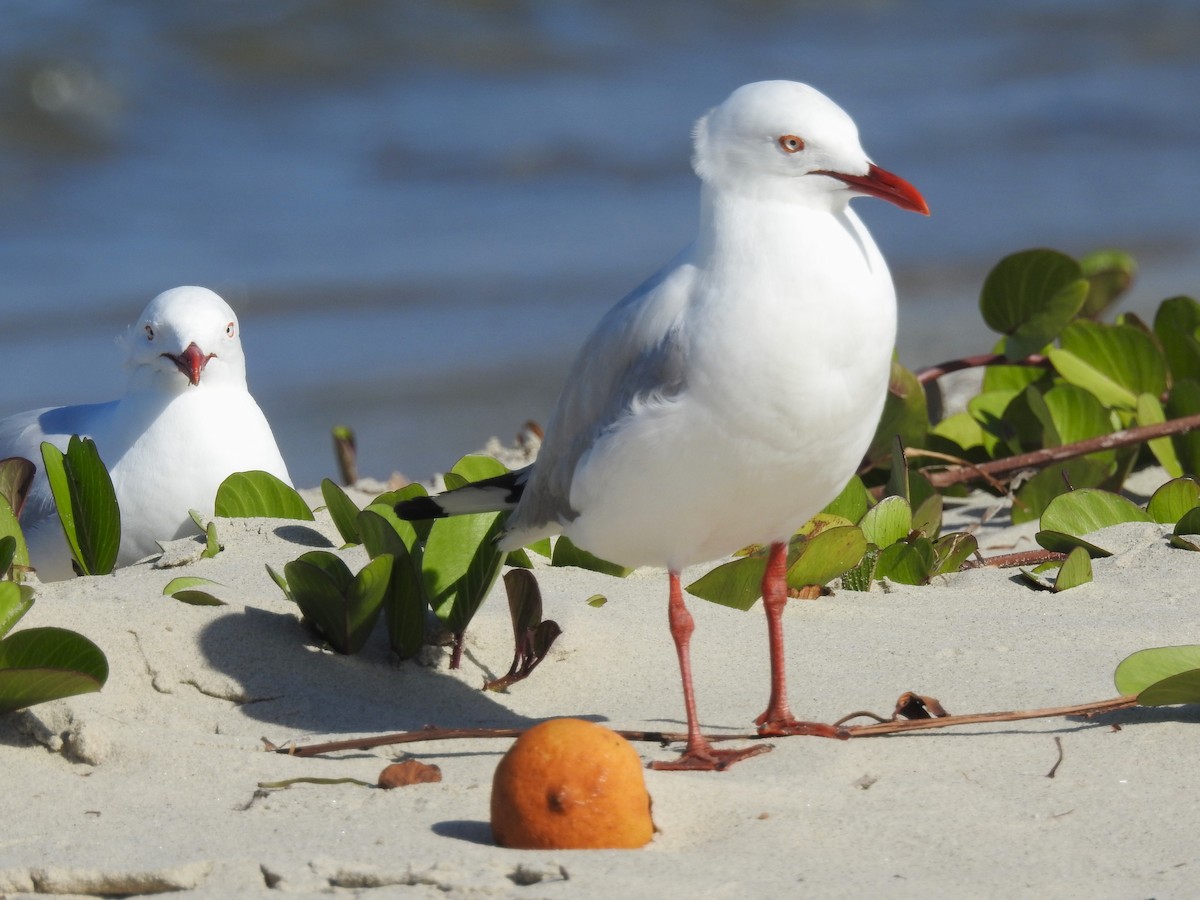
(152, 784)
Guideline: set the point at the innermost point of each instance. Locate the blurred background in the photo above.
(419, 210)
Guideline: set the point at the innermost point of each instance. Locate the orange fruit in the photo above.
(567, 784)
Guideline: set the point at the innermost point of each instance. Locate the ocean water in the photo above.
(420, 209)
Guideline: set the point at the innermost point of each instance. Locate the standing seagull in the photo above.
(733, 395)
(186, 422)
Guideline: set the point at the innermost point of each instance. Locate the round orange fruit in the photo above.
(567, 784)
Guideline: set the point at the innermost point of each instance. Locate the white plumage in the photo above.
(185, 423)
(732, 395)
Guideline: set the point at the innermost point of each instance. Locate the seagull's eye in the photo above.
(149, 333)
(789, 143)
(230, 330)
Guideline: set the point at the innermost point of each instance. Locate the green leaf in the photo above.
(1184, 400)
(951, 551)
(1177, 324)
(1172, 691)
(1057, 542)
(852, 503)
(15, 600)
(405, 603)
(259, 494)
(567, 554)
(10, 530)
(905, 414)
(41, 664)
(1087, 510)
(596, 600)
(927, 518)
(342, 510)
(1054, 480)
(1114, 362)
(1188, 524)
(826, 555)
(1076, 570)
(1012, 379)
(477, 468)
(887, 522)
(281, 583)
(1150, 412)
(212, 544)
(186, 581)
(1109, 274)
(736, 584)
(460, 564)
(385, 505)
(86, 502)
(341, 606)
(1173, 499)
(1145, 668)
(1030, 296)
(989, 410)
(906, 563)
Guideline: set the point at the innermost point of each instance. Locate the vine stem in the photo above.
(882, 726)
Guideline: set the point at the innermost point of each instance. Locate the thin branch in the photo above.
(431, 733)
(933, 373)
(1008, 560)
(1039, 458)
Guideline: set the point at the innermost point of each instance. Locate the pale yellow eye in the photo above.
(789, 143)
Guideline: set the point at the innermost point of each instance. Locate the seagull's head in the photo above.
(788, 141)
(186, 337)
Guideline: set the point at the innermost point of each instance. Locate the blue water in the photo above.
(419, 210)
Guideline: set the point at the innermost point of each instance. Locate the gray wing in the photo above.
(635, 353)
(22, 434)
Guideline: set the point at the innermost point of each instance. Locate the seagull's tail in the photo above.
(490, 495)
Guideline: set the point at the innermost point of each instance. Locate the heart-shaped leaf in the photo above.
(1030, 297)
(852, 503)
(1140, 670)
(1035, 495)
(890, 520)
(1173, 499)
(827, 555)
(86, 502)
(952, 550)
(1076, 570)
(736, 584)
(1088, 509)
(1177, 324)
(1057, 542)
(460, 564)
(906, 562)
(259, 494)
(1114, 362)
(41, 664)
(1109, 274)
(341, 606)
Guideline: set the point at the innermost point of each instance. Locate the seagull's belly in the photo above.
(683, 484)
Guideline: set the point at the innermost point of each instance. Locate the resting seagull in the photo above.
(185, 423)
(731, 397)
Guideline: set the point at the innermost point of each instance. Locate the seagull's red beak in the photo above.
(190, 362)
(886, 186)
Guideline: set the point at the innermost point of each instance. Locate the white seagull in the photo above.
(186, 422)
(733, 395)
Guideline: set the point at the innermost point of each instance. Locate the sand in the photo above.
(152, 784)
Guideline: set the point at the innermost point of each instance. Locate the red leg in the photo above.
(778, 720)
(699, 754)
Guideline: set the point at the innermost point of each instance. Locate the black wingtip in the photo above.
(419, 508)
